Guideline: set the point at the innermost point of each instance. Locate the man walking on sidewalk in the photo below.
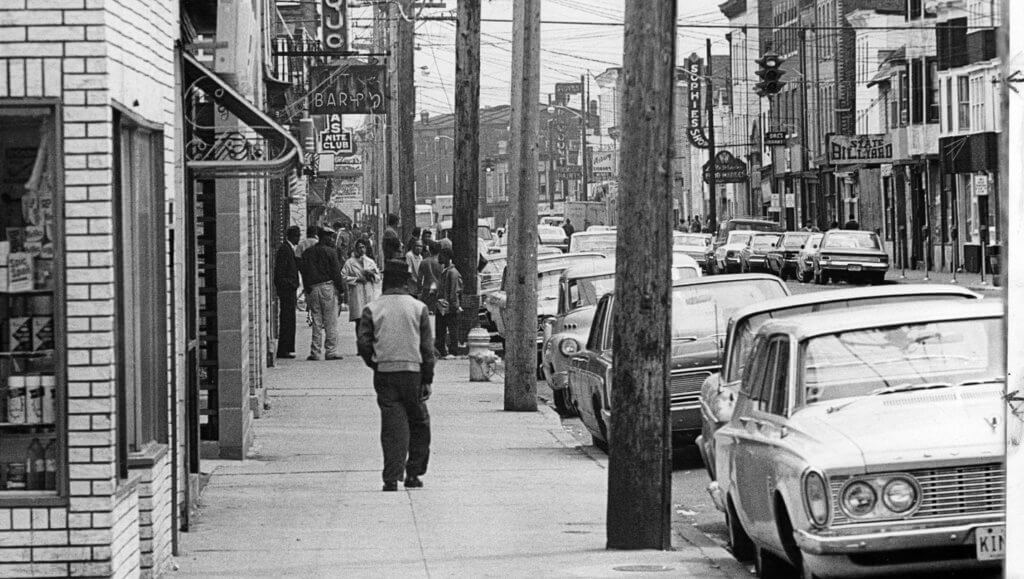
(395, 341)
(286, 282)
(321, 278)
(449, 299)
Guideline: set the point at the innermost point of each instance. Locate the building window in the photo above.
(932, 90)
(963, 94)
(982, 14)
(904, 99)
(914, 9)
(917, 91)
(978, 102)
(141, 285)
(949, 105)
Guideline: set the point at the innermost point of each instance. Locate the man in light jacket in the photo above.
(395, 341)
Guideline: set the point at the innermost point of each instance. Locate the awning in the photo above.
(213, 153)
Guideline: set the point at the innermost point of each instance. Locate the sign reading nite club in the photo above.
(853, 149)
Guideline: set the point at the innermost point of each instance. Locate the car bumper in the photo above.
(855, 267)
(894, 549)
(686, 423)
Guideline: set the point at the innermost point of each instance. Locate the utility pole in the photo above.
(404, 112)
(640, 453)
(521, 285)
(712, 181)
(583, 138)
(467, 147)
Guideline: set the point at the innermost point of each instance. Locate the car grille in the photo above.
(684, 389)
(946, 492)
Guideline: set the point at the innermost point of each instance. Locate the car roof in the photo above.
(726, 278)
(598, 267)
(835, 321)
(749, 220)
(846, 294)
(549, 265)
(597, 233)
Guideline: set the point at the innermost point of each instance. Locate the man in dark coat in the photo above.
(321, 278)
(286, 282)
(449, 298)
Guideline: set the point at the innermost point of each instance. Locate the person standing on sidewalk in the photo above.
(286, 282)
(361, 275)
(321, 278)
(413, 259)
(394, 340)
(448, 305)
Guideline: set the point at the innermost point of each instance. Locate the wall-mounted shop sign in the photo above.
(349, 89)
(564, 89)
(335, 25)
(859, 149)
(695, 128)
(728, 169)
(775, 138)
(335, 138)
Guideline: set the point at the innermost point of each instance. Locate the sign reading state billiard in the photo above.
(859, 149)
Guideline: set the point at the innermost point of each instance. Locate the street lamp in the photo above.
(583, 143)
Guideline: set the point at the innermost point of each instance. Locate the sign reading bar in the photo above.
(695, 129)
(775, 138)
(857, 149)
(335, 25)
(728, 169)
(349, 89)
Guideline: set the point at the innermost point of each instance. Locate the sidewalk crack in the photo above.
(419, 538)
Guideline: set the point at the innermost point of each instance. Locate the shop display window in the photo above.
(31, 303)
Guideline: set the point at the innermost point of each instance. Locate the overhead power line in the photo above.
(709, 26)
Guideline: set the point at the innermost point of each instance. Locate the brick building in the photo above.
(134, 274)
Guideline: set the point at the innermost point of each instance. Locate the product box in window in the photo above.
(16, 238)
(20, 272)
(42, 333)
(19, 334)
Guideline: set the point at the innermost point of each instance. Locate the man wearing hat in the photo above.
(321, 278)
(394, 340)
(286, 282)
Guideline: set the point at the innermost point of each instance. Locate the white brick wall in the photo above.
(90, 53)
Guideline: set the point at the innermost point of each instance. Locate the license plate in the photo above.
(990, 543)
(855, 268)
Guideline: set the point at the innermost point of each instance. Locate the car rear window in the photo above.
(851, 241)
(702, 311)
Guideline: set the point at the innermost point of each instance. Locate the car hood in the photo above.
(576, 322)
(913, 429)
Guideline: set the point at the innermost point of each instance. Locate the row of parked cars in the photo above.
(844, 433)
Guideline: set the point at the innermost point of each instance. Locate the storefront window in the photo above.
(31, 385)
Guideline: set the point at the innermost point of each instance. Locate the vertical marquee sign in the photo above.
(695, 130)
(335, 25)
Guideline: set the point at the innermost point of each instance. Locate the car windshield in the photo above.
(698, 241)
(794, 241)
(702, 311)
(739, 237)
(598, 243)
(587, 291)
(887, 359)
(684, 272)
(851, 240)
(746, 328)
(812, 242)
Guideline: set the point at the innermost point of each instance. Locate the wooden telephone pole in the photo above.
(403, 115)
(467, 146)
(640, 454)
(521, 287)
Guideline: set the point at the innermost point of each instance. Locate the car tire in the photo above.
(877, 278)
(767, 565)
(740, 544)
(562, 404)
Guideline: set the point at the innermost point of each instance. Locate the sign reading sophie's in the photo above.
(859, 149)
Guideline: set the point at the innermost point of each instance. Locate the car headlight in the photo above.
(569, 346)
(899, 495)
(816, 498)
(859, 499)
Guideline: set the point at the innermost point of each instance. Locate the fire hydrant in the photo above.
(481, 358)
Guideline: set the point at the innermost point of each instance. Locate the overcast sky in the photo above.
(567, 51)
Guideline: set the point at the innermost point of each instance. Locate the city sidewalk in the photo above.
(506, 494)
(971, 281)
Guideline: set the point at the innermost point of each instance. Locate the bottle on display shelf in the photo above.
(34, 399)
(50, 456)
(49, 382)
(16, 477)
(35, 466)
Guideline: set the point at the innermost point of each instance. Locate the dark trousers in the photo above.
(286, 327)
(404, 424)
(444, 332)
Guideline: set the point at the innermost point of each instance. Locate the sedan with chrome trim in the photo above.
(869, 442)
(701, 308)
(782, 257)
(851, 256)
(754, 255)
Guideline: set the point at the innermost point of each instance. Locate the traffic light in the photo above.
(770, 73)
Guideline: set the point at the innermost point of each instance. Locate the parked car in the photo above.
(553, 236)
(727, 255)
(701, 309)
(754, 255)
(719, 391)
(599, 241)
(696, 245)
(805, 259)
(580, 287)
(850, 255)
(782, 257)
(728, 226)
(869, 443)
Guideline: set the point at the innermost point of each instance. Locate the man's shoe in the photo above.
(392, 486)
(413, 482)
(289, 356)
(334, 357)
(312, 358)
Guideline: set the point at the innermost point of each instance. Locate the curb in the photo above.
(715, 553)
